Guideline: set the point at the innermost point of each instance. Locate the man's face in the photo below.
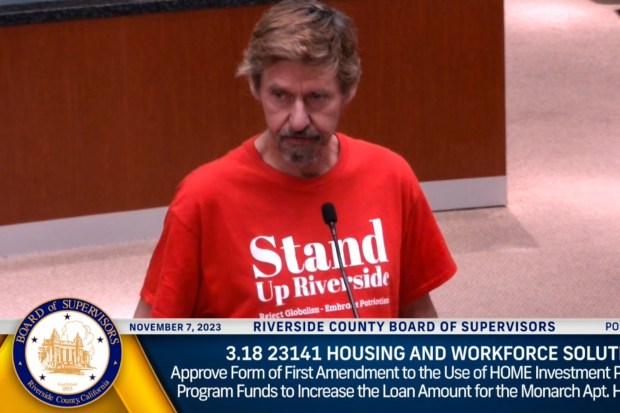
(302, 106)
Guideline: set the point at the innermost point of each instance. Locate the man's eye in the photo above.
(278, 94)
(317, 97)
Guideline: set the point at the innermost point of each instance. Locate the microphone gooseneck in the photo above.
(329, 217)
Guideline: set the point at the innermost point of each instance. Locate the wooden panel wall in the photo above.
(108, 115)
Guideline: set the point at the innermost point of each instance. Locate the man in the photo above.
(244, 236)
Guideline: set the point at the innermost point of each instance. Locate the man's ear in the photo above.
(350, 94)
(253, 88)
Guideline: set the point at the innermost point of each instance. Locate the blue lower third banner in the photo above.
(370, 373)
(68, 353)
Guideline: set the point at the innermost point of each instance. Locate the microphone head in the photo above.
(329, 213)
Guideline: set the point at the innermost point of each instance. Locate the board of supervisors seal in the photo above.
(67, 352)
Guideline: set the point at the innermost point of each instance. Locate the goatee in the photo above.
(300, 147)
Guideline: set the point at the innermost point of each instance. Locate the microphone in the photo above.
(329, 216)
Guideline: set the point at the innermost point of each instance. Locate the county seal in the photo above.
(67, 352)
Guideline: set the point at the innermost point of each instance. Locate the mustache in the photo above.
(306, 133)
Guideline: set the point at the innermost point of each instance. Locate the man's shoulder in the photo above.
(367, 151)
(213, 176)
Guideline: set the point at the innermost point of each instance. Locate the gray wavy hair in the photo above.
(306, 31)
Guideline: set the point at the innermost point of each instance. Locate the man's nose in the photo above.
(299, 118)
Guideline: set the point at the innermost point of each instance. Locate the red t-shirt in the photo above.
(244, 240)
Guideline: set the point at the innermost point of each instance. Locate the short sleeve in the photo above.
(426, 262)
(173, 277)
